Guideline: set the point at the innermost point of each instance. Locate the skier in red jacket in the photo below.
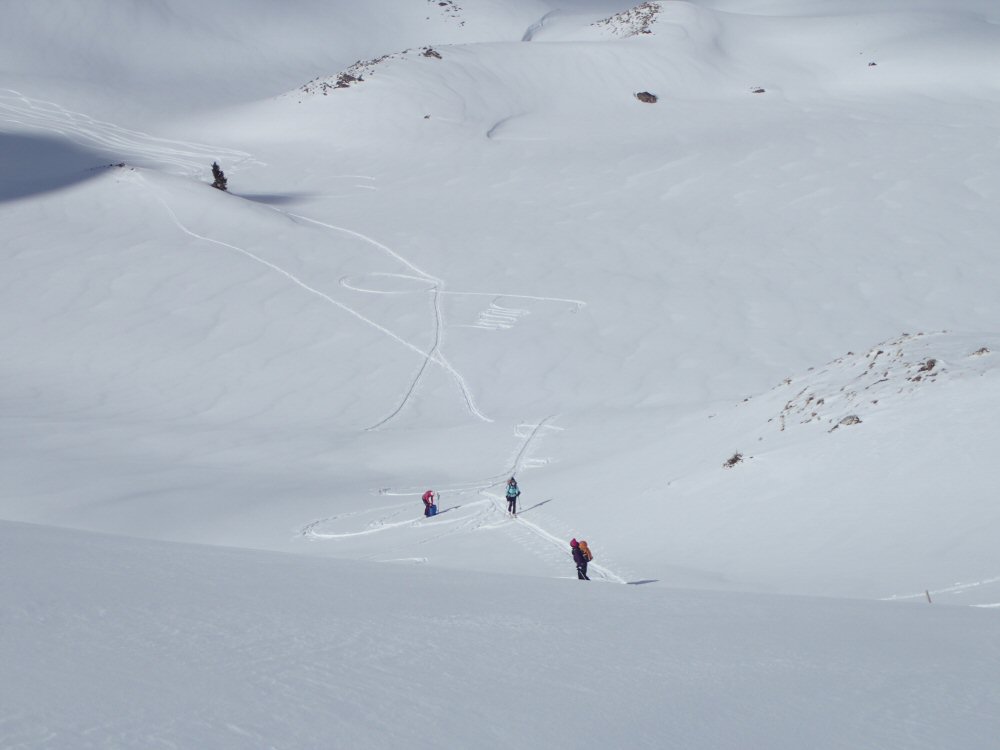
(430, 501)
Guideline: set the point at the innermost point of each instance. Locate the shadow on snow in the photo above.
(31, 164)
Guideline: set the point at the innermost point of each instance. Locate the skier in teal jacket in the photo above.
(512, 494)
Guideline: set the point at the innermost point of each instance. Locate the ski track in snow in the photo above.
(490, 511)
(311, 530)
(498, 317)
(427, 357)
(957, 588)
(382, 523)
(552, 539)
(495, 317)
(435, 353)
(189, 159)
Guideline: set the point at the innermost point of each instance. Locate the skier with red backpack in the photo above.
(581, 556)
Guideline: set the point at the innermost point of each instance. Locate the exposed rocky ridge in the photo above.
(843, 392)
(360, 71)
(632, 22)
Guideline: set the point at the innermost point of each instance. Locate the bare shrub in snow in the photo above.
(733, 460)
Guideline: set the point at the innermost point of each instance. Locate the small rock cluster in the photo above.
(449, 8)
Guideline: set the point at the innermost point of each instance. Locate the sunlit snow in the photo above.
(743, 339)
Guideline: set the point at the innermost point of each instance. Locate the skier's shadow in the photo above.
(536, 505)
(643, 581)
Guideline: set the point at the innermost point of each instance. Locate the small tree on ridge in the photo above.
(220, 177)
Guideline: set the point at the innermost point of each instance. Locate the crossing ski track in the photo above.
(432, 355)
(489, 512)
(351, 283)
(189, 159)
(436, 288)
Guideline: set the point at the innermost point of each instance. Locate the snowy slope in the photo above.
(125, 643)
(183, 54)
(498, 260)
(742, 339)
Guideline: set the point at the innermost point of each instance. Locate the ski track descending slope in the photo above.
(552, 539)
(431, 356)
(189, 159)
(435, 351)
(434, 355)
(185, 158)
(436, 289)
(957, 588)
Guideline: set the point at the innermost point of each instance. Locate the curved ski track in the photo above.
(189, 159)
(493, 515)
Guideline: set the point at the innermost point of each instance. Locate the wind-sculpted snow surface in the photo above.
(111, 642)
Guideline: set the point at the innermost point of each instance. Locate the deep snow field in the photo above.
(743, 339)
